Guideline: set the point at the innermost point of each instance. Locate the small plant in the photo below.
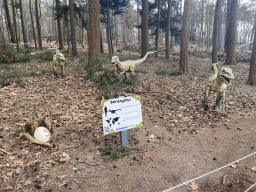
(110, 153)
(44, 56)
(119, 50)
(162, 70)
(107, 81)
(17, 131)
(13, 75)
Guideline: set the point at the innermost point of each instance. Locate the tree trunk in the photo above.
(220, 28)
(61, 47)
(138, 22)
(38, 26)
(216, 31)
(252, 71)
(15, 24)
(13, 40)
(202, 23)
(94, 29)
(144, 28)
(101, 44)
(231, 37)
(185, 37)
(72, 27)
(157, 27)
(167, 32)
(227, 23)
(108, 31)
(32, 23)
(23, 26)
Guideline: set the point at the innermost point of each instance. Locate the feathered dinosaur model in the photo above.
(58, 60)
(217, 83)
(129, 65)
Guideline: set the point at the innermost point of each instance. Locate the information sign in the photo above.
(121, 114)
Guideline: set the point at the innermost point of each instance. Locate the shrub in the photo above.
(110, 153)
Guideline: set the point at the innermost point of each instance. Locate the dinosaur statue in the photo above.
(58, 60)
(129, 65)
(217, 83)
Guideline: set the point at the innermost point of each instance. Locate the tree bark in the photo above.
(215, 32)
(144, 28)
(94, 29)
(227, 23)
(101, 44)
(38, 26)
(23, 26)
(138, 19)
(15, 24)
(9, 23)
(108, 31)
(252, 71)
(231, 37)
(185, 37)
(72, 27)
(32, 23)
(61, 46)
(167, 32)
(157, 27)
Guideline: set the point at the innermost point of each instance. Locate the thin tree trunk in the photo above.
(38, 26)
(157, 27)
(23, 26)
(32, 23)
(215, 32)
(167, 32)
(231, 38)
(185, 37)
(227, 23)
(61, 47)
(72, 27)
(15, 24)
(144, 28)
(220, 28)
(101, 44)
(108, 31)
(138, 19)
(9, 24)
(94, 30)
(252, 71)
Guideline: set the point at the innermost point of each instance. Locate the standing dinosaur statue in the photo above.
(58, 60)
(217, 83)
(129, 65)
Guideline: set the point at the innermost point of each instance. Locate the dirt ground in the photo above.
(177, 142)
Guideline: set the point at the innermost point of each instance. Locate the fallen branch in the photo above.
(4, 151)
(89, 163)
(24, 165)
(29, 137)
(162, 93)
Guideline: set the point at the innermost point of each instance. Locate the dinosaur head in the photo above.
(115, 59)
(226, 74)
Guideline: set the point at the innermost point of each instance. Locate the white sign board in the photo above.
(121, 114)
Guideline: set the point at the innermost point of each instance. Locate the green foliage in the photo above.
(107, 81)
(110, 153)
(12, 75)
(164, 70)
(45, 56)
(17, 131)
(8, 53)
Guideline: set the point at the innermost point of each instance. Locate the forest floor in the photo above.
(177, 142)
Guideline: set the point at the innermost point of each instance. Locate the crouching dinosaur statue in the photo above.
(217, 83)
(58, 60)
(129, 65)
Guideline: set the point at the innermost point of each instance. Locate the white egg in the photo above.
(42, 134)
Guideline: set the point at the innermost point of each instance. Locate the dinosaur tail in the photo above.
(144, 58)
